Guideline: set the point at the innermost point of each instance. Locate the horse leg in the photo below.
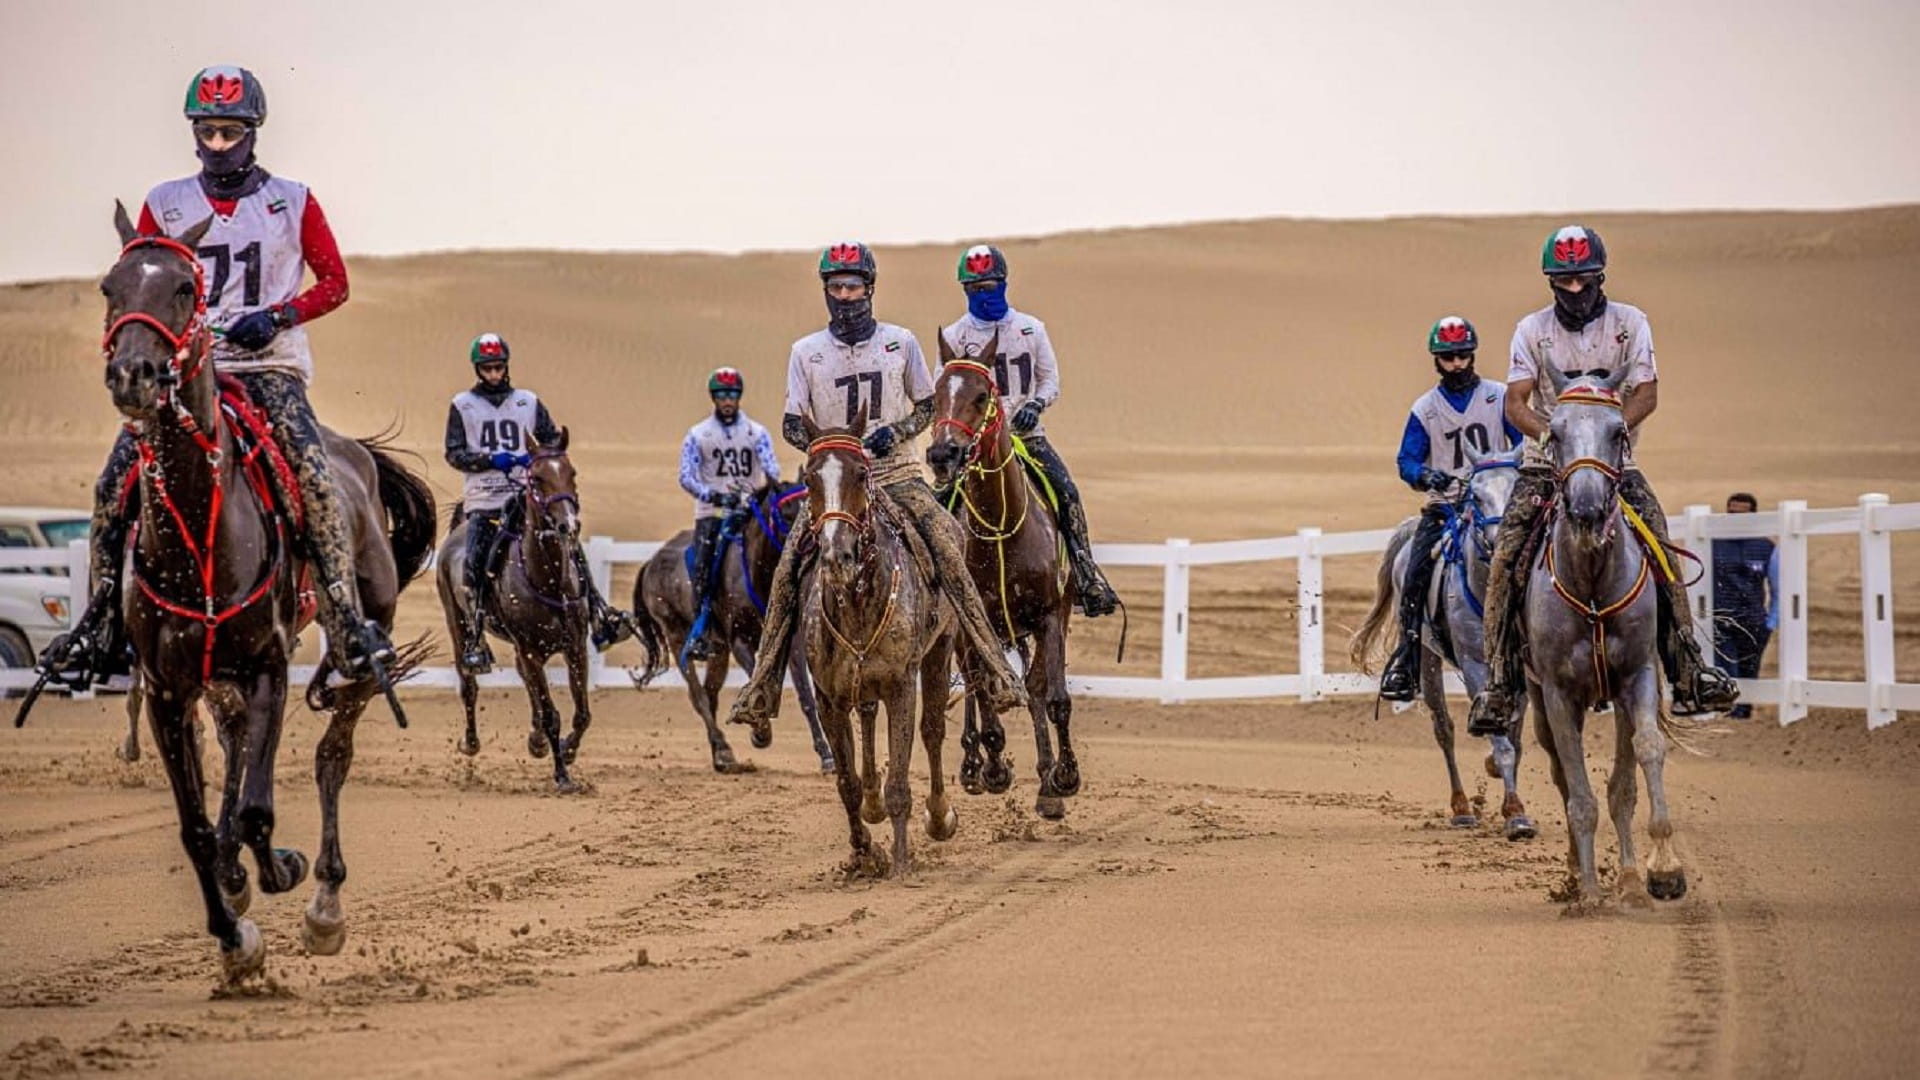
(130, 746)
(998, 774)
(230, 870)
(264, 702)
(1622, 793)
(899, 797)
(872, 808)
(324, 929)
(942, 819)
(704, 692)
(1048, 702)
(1564, 717)
(1433, 693)
(242, 952)
(469, 700)
(577, 673)
(837, 721)
(970, 761)
(1544, 733)
(1666, 878)
(803, 690)
(546, 719)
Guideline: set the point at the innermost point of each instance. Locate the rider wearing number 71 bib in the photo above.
(858, 368)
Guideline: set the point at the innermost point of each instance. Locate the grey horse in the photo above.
(1590, 625)
(1453, 633)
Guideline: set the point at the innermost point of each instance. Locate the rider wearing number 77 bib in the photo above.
(490, 428)
(860, 369)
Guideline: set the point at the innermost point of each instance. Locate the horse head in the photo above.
(553, 497)
(837, 476)
(1590, 442)
(156, 335)
(966, 409)
(1490, 488)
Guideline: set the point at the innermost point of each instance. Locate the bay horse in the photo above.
(1013, 552)
(214, 596)
(664, 613)
(876, 630)
(1453, 634)
(1590, 629)
(538, 603)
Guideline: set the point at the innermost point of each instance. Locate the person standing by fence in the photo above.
(1746, 600)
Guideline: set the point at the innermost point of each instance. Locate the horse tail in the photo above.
(1361, 649)
(651, 635)
(410, 510)
(1686, 732)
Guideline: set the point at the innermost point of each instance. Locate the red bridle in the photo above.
(190, 343)
(994, 420)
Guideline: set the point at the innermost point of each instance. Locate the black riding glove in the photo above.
(1435, 480)
(256, 329)
(879, 442)
(1028, 417)
(727, 499)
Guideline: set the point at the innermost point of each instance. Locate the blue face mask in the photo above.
(988, 305)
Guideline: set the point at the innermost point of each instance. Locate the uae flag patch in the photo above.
(276, 206)
(893, 346)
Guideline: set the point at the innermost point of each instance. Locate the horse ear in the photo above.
(123, 223)
(1556, 379)
(193, 234)
(562, 444)
(1618, 377)
(946, 350)
(812, 429)
(1470, 452)
(859, 427)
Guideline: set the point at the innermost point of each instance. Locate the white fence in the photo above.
(1880, 695)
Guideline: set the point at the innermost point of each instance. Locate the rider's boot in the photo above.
(1401, 679)
(759, 700)
(475, 655)
(1004, 690)
(1697, 686)
(1493, 706)
(96, 648)
(355, 641)
(1091, 591)
(705, 539)
(611, 625)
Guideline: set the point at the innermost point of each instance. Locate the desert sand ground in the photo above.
(1242, 889)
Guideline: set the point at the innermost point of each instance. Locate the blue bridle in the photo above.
(1459, 526)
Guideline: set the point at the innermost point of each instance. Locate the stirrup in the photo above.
(1491, 708)
(1401, 680)
(354, 656)
(755, 705)
(1710, 692)
(611, 626)
(700, 646)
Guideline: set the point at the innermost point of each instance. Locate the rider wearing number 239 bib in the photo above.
(726, 459)
(491, 427)
(1029, 383)
(859, 369)
(1464, 415)
(265, 232)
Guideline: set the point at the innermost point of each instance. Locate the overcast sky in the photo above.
(727, 126)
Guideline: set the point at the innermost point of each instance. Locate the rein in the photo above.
(1595, 614)
(978, 465)
(192, 340)
(827, 444)
(540, 503)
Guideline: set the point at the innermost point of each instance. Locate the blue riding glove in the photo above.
(879, 442)
(726, 499)
(1028, 417)
(505, 460)
(256, 329)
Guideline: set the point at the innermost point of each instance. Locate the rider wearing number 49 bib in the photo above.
(725, 461)
(490, 429)
(862, 370)
(1464, 415)
(1029, 382)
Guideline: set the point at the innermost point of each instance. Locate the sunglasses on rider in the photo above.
(209, 130)
(726, 395)
(1584, 281)
(984, 285)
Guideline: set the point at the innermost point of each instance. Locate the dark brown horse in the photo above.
(1013, 551)
(213, 599)
(538, 603)
(875, 631)
(664, 613)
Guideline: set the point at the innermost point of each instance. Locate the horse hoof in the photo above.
(1464, 821)
(248, 958)
(872, 810)
(1065, 779)
(470, 745)
(970, 778)
(827, 764)
(1666, 884)
(1050, 807)
(870, 863)
(571, 749)
(1493, 767)
(1521, 828)
(537, 744)
(238, 900)
(291, 866)
(998, 777)
(567, 787)
(762, 735)
(943, 827)
(128, 751)
(323, 936)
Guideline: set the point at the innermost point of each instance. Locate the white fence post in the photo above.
(1173, 621)
(600, 565)
(1792, 654)
(1876, 609)
(1313, 662)
(79, 591)
(1694, 538)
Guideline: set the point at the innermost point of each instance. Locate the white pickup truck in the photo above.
(33, 602)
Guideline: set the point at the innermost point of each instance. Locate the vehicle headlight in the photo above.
(56, 607)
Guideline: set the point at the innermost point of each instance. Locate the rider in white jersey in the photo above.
(862, 369)
(1029, 383)
(491, 427)
(726, 459)
(1582, 331)
(1462, 417)
(264, 233)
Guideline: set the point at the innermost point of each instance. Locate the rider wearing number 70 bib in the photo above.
(860, 369)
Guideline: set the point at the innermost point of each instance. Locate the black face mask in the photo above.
(851, 321)
(229, 173)
(1576, 310)
(494, 395)
(1457, 382)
